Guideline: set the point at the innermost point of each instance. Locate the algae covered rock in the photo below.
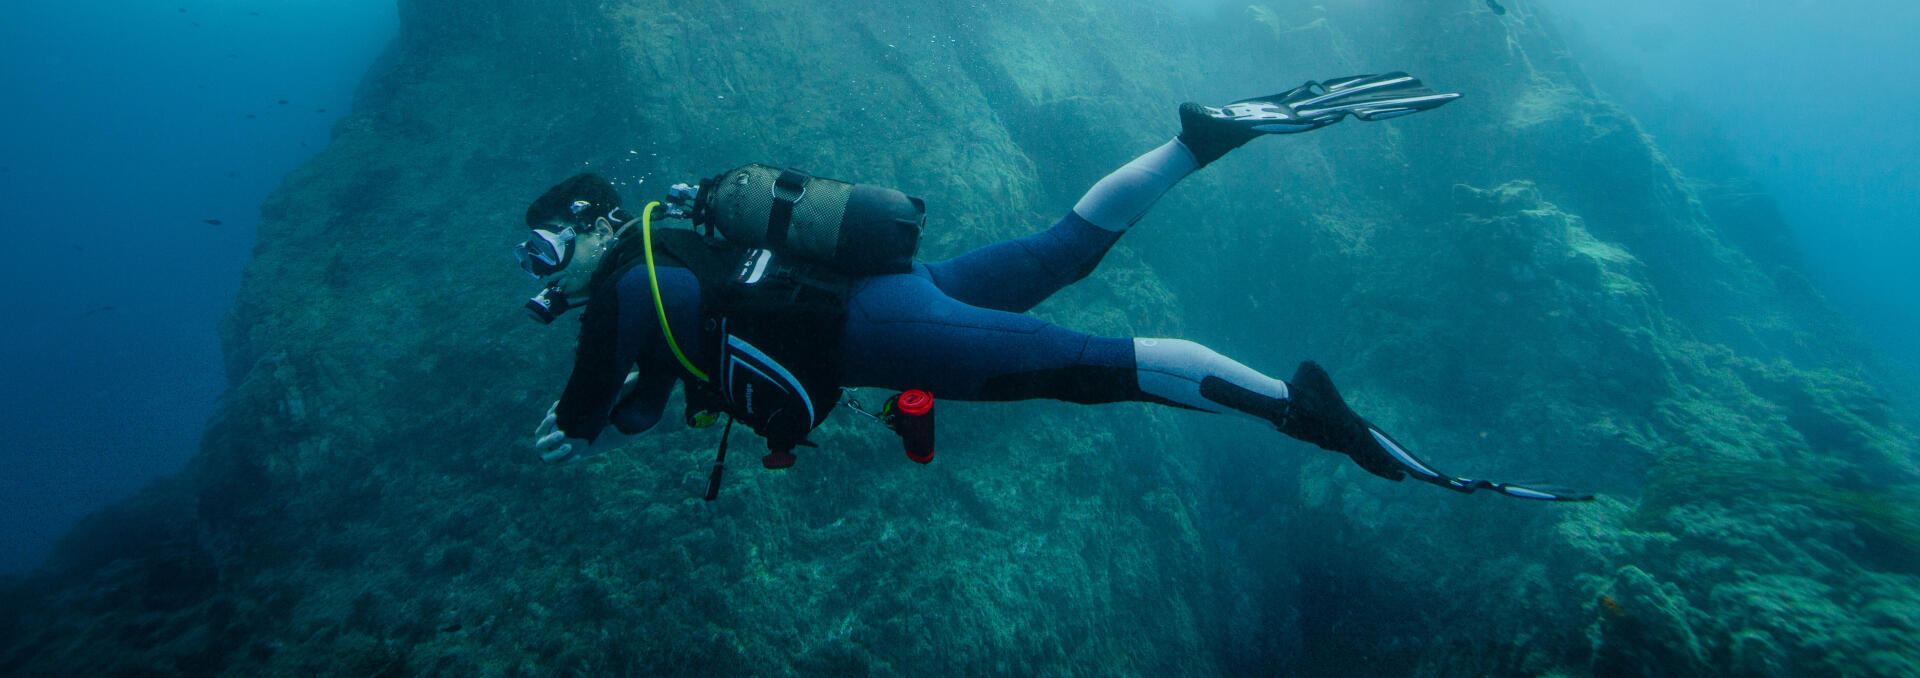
(1648, 623)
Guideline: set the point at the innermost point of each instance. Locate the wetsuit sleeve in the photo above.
(619, 331)
(598, 370)
(643, 408)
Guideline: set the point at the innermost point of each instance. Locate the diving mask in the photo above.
(551, 246)
(546, 252)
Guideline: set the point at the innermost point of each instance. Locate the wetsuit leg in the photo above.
(954, 327)
(1015, 275)
(903, 333)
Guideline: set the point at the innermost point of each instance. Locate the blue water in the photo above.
(126, 126)
(1816, 100)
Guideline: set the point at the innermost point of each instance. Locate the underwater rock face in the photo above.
(1519, 282)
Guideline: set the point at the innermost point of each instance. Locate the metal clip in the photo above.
(853, 403)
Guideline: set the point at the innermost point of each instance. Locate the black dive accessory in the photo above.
(1424, 472)
(545, 253)
(755, 306)
(548, 251)
(910, 414)
(719, 462)
(1313, 412)
(857, 229)
(548, 304)
(1317, 104)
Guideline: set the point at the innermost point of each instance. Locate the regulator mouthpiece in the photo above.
(547, 305)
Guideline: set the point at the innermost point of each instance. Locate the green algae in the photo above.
(1888, 517)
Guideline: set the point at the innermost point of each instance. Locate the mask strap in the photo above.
(616, 225)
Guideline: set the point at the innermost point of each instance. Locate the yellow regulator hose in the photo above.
(646, 232)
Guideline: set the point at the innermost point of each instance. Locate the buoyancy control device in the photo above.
(769, 336)
(798, 240)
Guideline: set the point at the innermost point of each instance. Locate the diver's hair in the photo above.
(557, 203)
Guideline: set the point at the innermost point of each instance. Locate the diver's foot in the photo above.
(1210, 132)
(1317, 414)
(1313, 411)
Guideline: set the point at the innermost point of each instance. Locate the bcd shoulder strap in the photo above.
(788, 190)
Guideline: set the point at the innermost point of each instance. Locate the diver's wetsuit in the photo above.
(955, 328)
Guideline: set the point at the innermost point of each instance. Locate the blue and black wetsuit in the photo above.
(956, 328)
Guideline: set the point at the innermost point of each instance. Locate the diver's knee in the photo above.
(1172, 352)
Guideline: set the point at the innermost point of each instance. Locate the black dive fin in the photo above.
(1212, 131)
(1317, 414)
(1421, 470)
(1318, 104)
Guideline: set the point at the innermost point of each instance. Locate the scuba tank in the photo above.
(856, 229)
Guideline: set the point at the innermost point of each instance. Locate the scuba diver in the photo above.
(797, 289)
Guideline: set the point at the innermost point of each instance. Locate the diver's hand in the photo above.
(553, 445)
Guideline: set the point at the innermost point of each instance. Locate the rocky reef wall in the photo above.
(1519, 281)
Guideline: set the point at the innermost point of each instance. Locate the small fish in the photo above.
(319, 110)
(283, 102)
(230, 175)
(1495, 6)
(101, 309)
(210, 222)
(1612, 607)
